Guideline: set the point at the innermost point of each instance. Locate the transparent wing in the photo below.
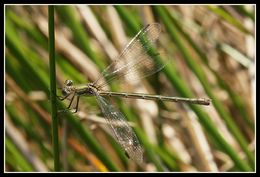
(122, 131)
(135, 59)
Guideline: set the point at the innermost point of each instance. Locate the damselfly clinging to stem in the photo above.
(138, 56)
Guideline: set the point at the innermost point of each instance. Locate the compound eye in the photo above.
(69, 82)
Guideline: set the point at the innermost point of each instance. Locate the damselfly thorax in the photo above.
(79, 90)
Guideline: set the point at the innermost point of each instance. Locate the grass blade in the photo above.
(55, 139)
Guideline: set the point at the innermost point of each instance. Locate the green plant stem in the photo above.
(55, 139)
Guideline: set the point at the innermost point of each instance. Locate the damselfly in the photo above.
(138, 56)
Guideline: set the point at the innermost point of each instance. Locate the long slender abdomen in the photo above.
(201, 101)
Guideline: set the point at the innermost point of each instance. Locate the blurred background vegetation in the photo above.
(212, 53)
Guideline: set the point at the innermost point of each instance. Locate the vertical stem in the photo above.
(55, 140)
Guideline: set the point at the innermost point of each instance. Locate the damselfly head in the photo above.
(67, 88)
